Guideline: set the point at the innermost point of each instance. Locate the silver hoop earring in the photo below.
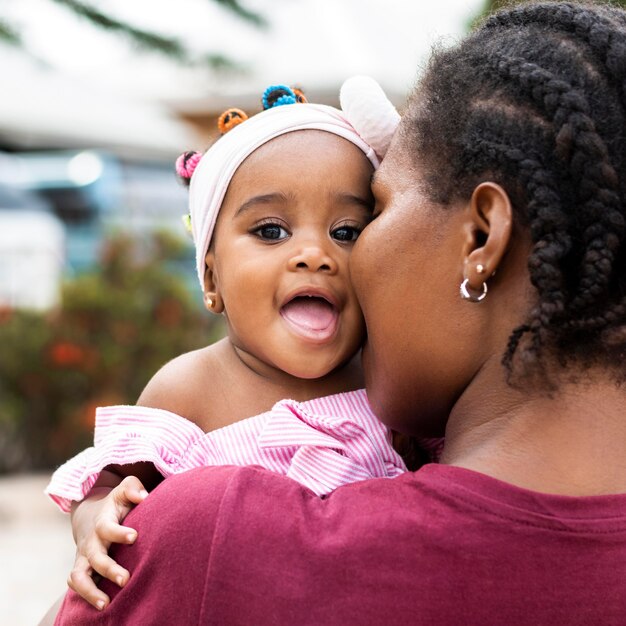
(472, 296)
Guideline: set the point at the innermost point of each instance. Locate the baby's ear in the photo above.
(212, 300)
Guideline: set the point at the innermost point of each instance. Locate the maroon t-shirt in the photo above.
(443, 546)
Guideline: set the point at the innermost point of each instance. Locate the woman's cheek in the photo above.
(363, 266)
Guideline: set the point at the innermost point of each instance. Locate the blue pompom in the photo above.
(277, 95)
(284, 100)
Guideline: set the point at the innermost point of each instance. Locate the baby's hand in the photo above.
(96, 525)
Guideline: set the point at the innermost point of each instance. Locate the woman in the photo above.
(494, 292)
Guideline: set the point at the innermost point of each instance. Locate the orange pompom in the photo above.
(229, 119)
(300, 97)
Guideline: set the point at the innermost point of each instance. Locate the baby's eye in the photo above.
(271, 232)
(346, 233)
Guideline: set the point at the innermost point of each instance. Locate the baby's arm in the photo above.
(96, 524)
(96, 520)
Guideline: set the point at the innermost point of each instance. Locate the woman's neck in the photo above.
(572, 442)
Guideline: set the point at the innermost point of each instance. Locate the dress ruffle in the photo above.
(322, 443)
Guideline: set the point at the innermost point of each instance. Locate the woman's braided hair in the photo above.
(535, 100)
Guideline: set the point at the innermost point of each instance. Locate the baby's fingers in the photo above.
(104, 565)
(130, 491)
(82, 583)
(109, 532)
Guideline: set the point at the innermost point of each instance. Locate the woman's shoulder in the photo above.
(182, 386)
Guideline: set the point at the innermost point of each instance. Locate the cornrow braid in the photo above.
(614, 315)
(578, 142)
(592, 25)
(551, 241)
(535, 100)
(595, 27)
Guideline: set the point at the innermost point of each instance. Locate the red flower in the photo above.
(66, 354)
(6, 313)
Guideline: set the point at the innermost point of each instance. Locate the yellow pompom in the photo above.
(187, 222)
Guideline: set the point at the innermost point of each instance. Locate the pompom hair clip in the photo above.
(186, 165)
(187, 223)
(300, 97)
(278, 95)
(230, 118)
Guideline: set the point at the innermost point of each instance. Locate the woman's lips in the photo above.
(311, 317)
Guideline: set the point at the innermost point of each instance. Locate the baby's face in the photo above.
(282, 242)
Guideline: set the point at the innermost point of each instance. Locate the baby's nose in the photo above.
(314, 259)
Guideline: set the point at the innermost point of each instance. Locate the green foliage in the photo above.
(8, 34)
(234, 6)
(146, 40)
(142, 39)
(115, 329)
(489, 7)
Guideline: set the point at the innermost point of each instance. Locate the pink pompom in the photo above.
(186, 164)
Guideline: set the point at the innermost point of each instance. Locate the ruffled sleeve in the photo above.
(330, 441)
(124, 435)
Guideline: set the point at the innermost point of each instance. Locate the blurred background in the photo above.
(97, 286)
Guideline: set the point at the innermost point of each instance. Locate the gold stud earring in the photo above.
(209, 301)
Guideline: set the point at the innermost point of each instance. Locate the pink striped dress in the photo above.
(321, 443)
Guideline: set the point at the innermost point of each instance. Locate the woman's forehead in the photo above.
(396, 169)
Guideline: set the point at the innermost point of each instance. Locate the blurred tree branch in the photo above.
(8, 34)
(143, 39)
(239, 10)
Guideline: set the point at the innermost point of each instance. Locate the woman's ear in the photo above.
(212, 301)
(489, 233)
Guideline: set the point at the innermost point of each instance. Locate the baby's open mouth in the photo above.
(311, 316)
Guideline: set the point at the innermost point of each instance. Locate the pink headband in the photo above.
(217, 166)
